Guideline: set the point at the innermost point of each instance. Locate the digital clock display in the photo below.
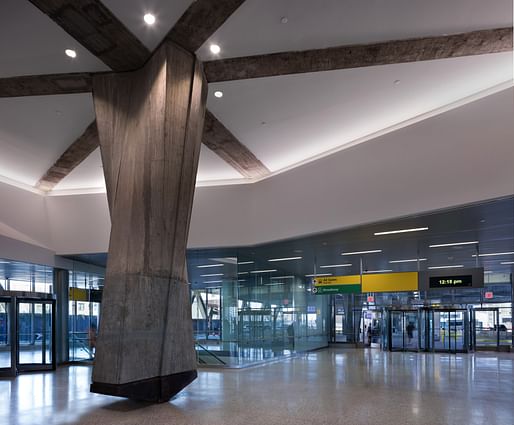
(451, 281)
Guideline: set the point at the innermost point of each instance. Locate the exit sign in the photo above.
(488, 295)
(371, 299)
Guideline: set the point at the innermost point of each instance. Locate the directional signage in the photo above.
(337, 285)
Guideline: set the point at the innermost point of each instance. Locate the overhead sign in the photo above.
(461, 281)
(390, 282)
(488, 295)
(337, 285)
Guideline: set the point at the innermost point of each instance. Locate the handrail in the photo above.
(208, 352)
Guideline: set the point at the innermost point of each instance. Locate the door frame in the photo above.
(11, 371)
(466, 326)
(496, 311)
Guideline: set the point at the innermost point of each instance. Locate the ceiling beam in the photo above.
(222, 142)
(71, 158)
(42, 85)
(357, 56)
(95, 27)
(200, 21)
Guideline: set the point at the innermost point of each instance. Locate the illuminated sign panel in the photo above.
(462, 281)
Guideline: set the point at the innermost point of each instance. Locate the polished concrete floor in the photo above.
(332, 386)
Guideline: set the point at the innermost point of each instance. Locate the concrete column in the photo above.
(150, 124)
(61, 285)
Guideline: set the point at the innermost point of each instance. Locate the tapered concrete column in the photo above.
(150, 124)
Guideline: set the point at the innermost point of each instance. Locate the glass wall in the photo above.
(84, 314)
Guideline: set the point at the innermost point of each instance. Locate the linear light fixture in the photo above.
(493, 254)
(459, 266)
(263, 271)
(205, 266)
(241, 280)
(392, 232)
(211, 274)
(378, 271)
(213, 287)
(245, 262)
(507, 262)
(272, 260)
(441, 245)
(412, 260)
(212, 281)
(274, 284)
(242, 272)
(330, 266)
(373, 251)
(282, 277)
(318, 274)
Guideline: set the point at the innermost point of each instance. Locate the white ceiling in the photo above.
(305, 115)
(131, 13)
(31, 43)
(256, 28)
(35, 131)
(289, 119)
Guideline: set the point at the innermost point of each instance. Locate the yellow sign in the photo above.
(390, 282)
(337, 280)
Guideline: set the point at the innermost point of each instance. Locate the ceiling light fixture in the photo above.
(205, 266)
(446, 267)
(215, 48)
(284, 20)
(213, 281)
(441, 245)
(412, 260)
(493, 254)
(218, 94)
(392, 232)
(149, 19)
(507, 262)
(273, 284)
(378, 271)
(263, 271)
(373, 251)
(272, 260)
(245, 262)
(71, 53)
(329, 266)
(318, 274)
(282, 277)
(211, 274)
(242, 272)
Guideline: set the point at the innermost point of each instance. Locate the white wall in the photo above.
(463, 156)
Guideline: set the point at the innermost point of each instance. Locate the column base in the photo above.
(159, 389)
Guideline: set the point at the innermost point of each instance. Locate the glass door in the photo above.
(486, 328)
(7, 330)
(35, 335)
(450, 328)
(403, 330)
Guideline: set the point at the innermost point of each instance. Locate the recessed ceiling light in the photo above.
(205, 266)
(218, 94)
(272, 260)
(446, 267)
(71, 53)
(242, 272)
(328, 266)
(392, 232)
(284, 20)
(244, 262)
(215, 49)
(211, 274)
(149, 19)
(503, 262)
(396, 82)
(282, 277)
(412, 260)
(213, 281)
(373, 251)
(440, 245)
(318, 274)
(493, 254)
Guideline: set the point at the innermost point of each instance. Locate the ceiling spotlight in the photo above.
(218, 94)
(215, 49)
(71, 53)
(284, 20)
(149, 19)
(396, 82)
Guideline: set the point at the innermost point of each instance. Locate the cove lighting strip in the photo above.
(392, 232)
(441, 245)
(493, 254)
(446, 267)
(373, 251)
(205, 266)
(272, 260)
(329, 266)
(413, 260)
